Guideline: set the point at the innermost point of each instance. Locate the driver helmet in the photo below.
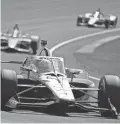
(97, 13)
(98, 10)
(16, 27)
(44, 65)
(44, 42)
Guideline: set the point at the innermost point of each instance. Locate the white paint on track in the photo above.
(90, 48)
(83, 37)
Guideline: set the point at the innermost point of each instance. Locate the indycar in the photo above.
(44, 81)
(22, 43)
(94, 20)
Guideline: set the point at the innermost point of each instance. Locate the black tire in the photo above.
(34, 47)
(109, 86)
(77, 24)
(107, 24)
(115, 22)
(78, 21)
(8, 86)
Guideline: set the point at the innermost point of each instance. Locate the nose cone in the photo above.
(61, 89)
(12, 42)
(91, 21)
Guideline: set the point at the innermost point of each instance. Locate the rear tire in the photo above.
(107, 24)
(34, 47)
(109, 86)
(115, 22)
(8, 86)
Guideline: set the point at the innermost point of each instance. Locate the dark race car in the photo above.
(44, 81)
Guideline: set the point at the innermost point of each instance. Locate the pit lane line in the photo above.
(80, 38)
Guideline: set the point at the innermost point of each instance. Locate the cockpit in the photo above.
(43, 64)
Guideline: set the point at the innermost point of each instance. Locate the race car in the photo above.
(22, 43)
(97, 19)
(44, 81)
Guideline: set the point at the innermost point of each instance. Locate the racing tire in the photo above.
(79, 20)
(109, 86)
(34, 47)
(77, 24)
(8, 87)
(115, 22)
(107, 24)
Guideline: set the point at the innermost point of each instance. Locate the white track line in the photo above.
(83, 37)
(90, 48)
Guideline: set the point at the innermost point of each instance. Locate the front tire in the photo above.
(79, 20)
(77, 24)
(8, 86)
(109, 86)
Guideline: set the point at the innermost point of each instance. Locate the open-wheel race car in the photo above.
(21, 43)
(97, 19)
(44, 81)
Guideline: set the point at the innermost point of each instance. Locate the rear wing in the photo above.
(12, 62)
(15, 62)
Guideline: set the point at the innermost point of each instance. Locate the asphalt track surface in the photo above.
(54, 20)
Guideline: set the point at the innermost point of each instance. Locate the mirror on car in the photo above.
(22, 68)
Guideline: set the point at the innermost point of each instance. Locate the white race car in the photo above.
(22, 43)
(97, 19)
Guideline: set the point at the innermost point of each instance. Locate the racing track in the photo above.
(55, 21)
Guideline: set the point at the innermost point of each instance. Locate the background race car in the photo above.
(21, 43)
(97, 19)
